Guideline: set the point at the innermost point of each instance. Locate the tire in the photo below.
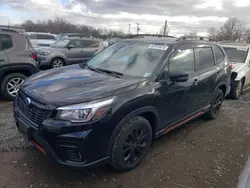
(57, 63)
(236, 90)
(11, 79)
(129, 149)
(215, 105)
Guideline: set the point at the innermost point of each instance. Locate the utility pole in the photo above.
(129, 29)
(165, 27)
(138, 28)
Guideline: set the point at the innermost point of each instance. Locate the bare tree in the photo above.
(212, 33)
(247, 35)
(60, 25)
(232, 29)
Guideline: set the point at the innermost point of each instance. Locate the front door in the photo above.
(4, 60)
(178, 97)
(74, 54)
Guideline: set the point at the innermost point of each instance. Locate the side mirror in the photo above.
(176, 76)
(70, 46)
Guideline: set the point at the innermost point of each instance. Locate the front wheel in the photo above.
(57, 63)
(215, 105)
(131, 144)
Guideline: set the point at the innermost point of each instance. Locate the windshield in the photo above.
(236, 54)
(62, 43)
(130, 58)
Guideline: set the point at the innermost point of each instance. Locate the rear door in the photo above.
(208, 73)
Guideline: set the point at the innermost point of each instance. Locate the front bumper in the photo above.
(75, 146)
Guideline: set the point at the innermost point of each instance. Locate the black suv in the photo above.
(17, 61)
(111, 108)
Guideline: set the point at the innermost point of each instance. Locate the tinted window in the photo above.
(45, 37)
(219, 55)
(182, 60)
(6, 41)
(236, 55)
(90, 44)
(205, 58)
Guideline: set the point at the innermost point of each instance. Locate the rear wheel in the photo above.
(131, 144)
(57, 63)
(11, 84)
(215, 105)
(236, 89)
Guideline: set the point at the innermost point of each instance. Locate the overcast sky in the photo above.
(184, 16)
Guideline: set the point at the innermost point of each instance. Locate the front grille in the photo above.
(31, 112)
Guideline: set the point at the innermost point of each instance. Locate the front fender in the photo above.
(240, 75)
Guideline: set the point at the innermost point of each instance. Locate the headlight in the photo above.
(45, 53)
(85, 111)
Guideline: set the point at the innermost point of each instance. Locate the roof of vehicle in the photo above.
(39, 33)
(235, 44)
(12, 33)
(81, 38)
(170, 39)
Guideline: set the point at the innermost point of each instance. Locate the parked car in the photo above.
(110, 109)
(239, 56)
(17, 61)
(68, 51)
(40, 40)
(72, 35)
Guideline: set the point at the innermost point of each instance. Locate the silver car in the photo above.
(40, 40)
(67, 51)
(239, 57)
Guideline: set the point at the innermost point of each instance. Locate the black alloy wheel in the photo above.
(132, 140)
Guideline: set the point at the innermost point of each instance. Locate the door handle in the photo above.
(195, 82)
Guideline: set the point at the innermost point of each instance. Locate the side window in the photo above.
(76, 43)
(90, 44)
(6, 42)
(219, 55)
(33, 36)
(182, 60)
(205, 57)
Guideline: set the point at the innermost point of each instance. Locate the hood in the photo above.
(237, 66)
(74, 84)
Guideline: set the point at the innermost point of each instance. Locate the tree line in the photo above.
(232, 30)
(60, 25)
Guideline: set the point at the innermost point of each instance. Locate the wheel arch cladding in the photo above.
(149, 113)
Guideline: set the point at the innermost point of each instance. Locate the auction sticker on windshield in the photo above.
(158, 47)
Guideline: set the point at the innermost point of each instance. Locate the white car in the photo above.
(39, 40)
(239, 57)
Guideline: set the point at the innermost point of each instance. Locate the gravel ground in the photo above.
(201, 154)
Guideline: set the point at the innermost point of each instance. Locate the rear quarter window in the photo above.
(219, 55)
(6, 41)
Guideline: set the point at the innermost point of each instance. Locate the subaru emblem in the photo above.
(27, 101)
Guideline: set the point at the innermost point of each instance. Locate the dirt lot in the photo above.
(201, 154)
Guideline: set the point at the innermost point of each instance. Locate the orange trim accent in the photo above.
(186, 120)
(38, 147)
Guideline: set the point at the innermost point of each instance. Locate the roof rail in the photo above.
(187, 37)
(227, 41)
(150, 35)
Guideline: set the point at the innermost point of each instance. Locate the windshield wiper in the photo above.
(112, 73)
